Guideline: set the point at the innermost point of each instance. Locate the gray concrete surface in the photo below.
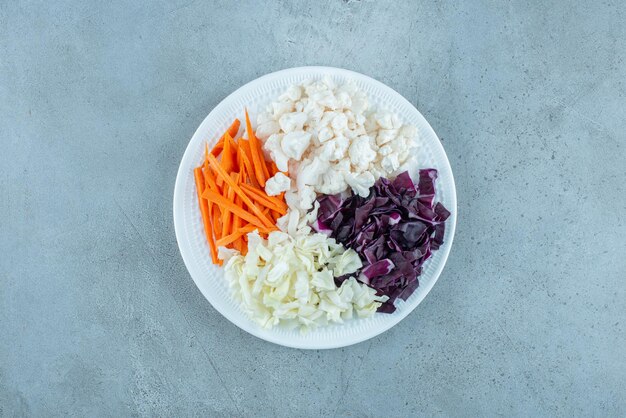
(98, 315)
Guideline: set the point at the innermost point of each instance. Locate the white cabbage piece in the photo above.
(289, 280)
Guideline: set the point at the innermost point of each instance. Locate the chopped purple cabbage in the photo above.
(394, 230)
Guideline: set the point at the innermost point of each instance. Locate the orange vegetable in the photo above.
(273, 168)
(232, 131)
(226, 215)
(264, 199)
(237, 219)
(204, 210)
(276, 215)
(230, 191)
(246, 158)
(235, 235)
(258, 160)
(221, 173)
(211, 196)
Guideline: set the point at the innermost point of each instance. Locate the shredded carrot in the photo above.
(217, 221)
(246, 158)
(276, 215)
(227, 228)
(266, 172)
(236, 235)
(204, 210)
(227, 205)
(265, 200)
(230, 185)
(258, 159)
(226, 215)
(243, 174)
(220, 172)
(273, 168)
(276, 200)
(237, 219)
(232, 131)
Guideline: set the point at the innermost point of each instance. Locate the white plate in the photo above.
(190, 234)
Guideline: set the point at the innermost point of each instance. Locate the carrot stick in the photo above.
(226, 161)
(227, 205)
(261, 200)
(266, 172)
(227, 154)
(209, 183)
(217, 149)
(243, 175)
(210, 178)
(232, 131)
(234, 128)
(244, 197)
(246, 158)
(273, 168)
(257, 155)
(217, 220)
(226, 216)
(237, 219)
(272, 200)
(276, 214)
(229, 219)
(236, 235)
(204, 210)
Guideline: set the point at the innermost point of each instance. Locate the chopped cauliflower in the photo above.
(277, 184)
(295, 143)
(330, 141)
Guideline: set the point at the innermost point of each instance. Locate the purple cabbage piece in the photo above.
(394, 230)
(379, 268)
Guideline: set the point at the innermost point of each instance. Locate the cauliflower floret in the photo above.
(400, 144)
(277, 184)
(344, 100)
(294, 144)
(341, 146)
(324, 134)
(342, 165)
(293, 93)
(386, 135)
(409, 131)
(272, 146)
(267, 129)
(385, 150)
(326, 151)
(278, 108)
(310, 172)
(404, 156)
(361, 155)
(359, 103)
(339, 122)
(360, 183)
(294, 121)
(306, 197)
(332, 182)
(390, 163)
(384, 120)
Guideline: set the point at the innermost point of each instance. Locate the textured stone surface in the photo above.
(98, 315)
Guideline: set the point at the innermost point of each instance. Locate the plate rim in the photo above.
(249, 325)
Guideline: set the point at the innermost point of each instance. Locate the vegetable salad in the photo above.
(313, 215)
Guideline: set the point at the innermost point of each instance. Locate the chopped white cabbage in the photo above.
(290, 280)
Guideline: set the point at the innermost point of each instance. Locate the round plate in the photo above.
(190, 234)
